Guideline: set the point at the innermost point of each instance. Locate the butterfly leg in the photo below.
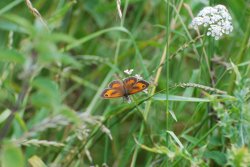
(127, 98)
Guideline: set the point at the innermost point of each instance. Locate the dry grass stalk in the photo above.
(38, 143)
(36, 13)
(118, 4)
(206, 88)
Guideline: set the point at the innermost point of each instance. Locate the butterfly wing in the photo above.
(110, 93)
(116, 85)
(115, 90)
(138, 87)
(129, 83)
(133, 85)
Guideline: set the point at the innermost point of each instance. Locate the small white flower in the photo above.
(128, 71)
(138, 76)
(217, 19)
(145, 91)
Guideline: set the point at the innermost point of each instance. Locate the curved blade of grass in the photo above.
(7, 55)
(25, 25)
(175, 139)
(94, 35)
(10, 6)
(173, 115)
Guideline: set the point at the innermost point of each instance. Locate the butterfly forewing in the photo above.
(116, 85)
(138, 87)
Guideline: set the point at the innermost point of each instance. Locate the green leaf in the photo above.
(238, 156)
(7, 55)
(70, 114)
(189, 91)
(46, 86)
(237, 73)
(60, 37)
(190, 139)
(173, 115)
(23, 24)
(157, 149)
(162, 97)
(11, 155)
(47, 93)
(9, 26)
(217, 156)
(47, 50)
(60, 13)
(175, 139)
(4, 115)
(41, 100)
(10, 6)
(68, 60)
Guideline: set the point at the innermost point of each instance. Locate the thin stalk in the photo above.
(210, 56)
(242, 141)
(211, 42)
(167, 71)
(210, 79)
(162, 63)
(157, 76)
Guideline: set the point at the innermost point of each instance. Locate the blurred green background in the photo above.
(56, 57)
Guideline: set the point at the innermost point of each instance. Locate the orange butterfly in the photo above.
(128, 86)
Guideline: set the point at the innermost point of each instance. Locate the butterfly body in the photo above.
(124, 88)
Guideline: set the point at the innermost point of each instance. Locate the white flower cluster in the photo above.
(130, 71)
(217, 19)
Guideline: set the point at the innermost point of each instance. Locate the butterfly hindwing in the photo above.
(138, 87)
(112, 93)
(116, 85)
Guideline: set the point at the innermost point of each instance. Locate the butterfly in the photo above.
(124, 88)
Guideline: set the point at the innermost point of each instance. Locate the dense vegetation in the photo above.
(56, 58)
